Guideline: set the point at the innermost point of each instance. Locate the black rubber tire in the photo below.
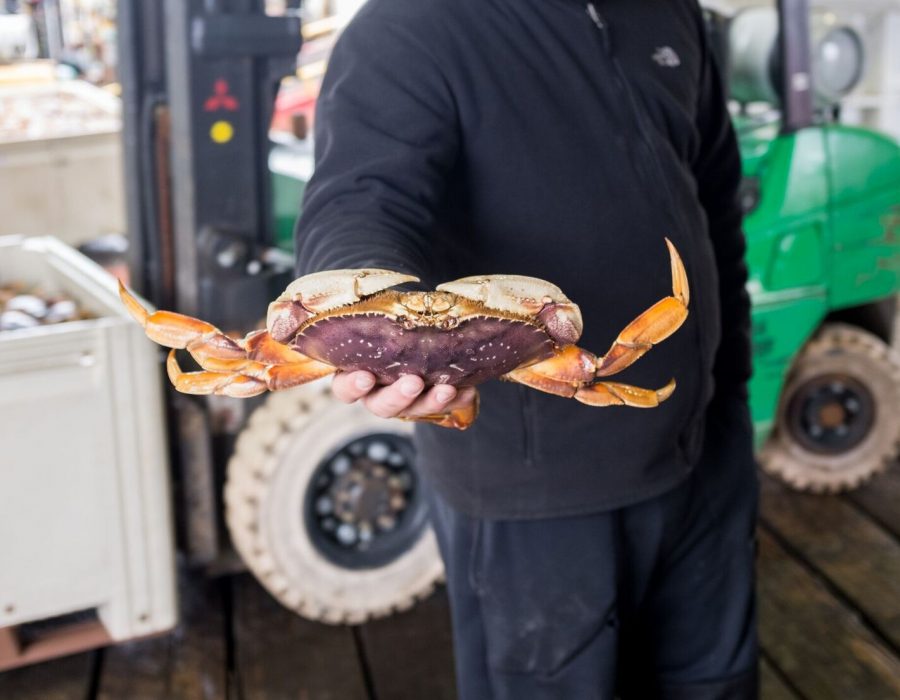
(839, 349)
(276, 455)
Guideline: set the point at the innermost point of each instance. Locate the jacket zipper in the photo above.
(622, 82)
(600, 24)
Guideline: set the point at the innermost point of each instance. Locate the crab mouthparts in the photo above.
(428, 302)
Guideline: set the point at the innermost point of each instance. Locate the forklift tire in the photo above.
(838, 422)
(272, 506)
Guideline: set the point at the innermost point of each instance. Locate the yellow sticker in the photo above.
(221, 132)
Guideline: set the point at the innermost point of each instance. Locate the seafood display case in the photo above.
(85, 525)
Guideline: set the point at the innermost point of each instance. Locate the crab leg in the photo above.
(209, 346)
(174, 330)
(572, 371)
(563, 374)
(458, 418)
(616, 394)
(570, 374)
(653, 326)
(223, 383)
(251, 379)
(238, 368)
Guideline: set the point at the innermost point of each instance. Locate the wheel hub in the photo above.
(831, 414)
(362, 506)
(367, 495)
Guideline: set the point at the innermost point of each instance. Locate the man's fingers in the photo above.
(391, 400)
(403, 396)
(464, 397)
(352, 386)
(435, 400)
(433, 403)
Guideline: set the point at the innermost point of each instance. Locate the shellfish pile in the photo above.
(21, 307)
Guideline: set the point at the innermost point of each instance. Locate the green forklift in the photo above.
(822, 202)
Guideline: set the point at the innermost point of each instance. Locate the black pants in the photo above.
(655, 600)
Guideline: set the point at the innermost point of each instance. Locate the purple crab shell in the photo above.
(478, 349)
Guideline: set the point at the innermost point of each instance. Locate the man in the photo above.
(590, 552)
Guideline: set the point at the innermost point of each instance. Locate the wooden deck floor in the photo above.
(830, 627)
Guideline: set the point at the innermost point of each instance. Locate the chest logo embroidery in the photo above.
(666, 56)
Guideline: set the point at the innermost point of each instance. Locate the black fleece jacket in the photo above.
(557, 139)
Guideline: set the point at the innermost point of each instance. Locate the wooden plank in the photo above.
(771, 687)
(59, 679)
(820, 645)
(50, 643)
(410, 654)
(860, 559)
(881, 498)
(279, 654)
(188, 664)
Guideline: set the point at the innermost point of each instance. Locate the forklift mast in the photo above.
(199, 80)
(796, 72)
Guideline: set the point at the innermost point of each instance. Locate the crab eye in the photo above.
(406, 322)
(449, 322)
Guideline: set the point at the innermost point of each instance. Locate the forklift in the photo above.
(321, 500)
(822, 206)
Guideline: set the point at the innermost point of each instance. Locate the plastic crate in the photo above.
(85, 523)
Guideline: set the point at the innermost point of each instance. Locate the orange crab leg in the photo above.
(458, 418)
(238, 368)
(616, 394)
(568, 370)
(653, 326)
(223, 383)
(174, 330)
(215, 351)
(262, 347)
(570, 373)
(246, 379)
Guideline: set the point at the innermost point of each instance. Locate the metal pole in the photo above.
(796, 75)
(54, 29)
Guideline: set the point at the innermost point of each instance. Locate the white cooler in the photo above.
(85, 522)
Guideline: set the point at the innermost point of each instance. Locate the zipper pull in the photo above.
(600, 23)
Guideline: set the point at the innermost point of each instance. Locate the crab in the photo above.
(519, 329)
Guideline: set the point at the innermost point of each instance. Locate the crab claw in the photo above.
(525, 296)
(322, 291)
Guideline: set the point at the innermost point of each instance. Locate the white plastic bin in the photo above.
(85, 521)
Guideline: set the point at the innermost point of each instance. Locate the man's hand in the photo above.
(403, 396)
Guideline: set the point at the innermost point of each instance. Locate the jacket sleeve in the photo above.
(386, 139)
(717, 169)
